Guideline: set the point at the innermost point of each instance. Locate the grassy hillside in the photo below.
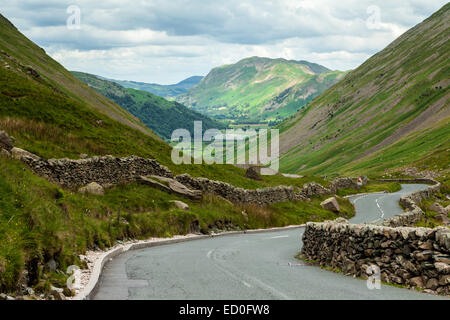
(392, 111)
(159, 114)
(167, 91)
(53, 114)
(40, 222)
(54, 76)
(259, 89)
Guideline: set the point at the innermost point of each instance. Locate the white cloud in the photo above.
(166, 41)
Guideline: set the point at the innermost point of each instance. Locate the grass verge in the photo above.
(40, 222)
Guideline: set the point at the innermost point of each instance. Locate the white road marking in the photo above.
(361, 197)
(237, 275)
(379, 208)
(278, 237)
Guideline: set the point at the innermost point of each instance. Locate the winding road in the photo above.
(247, 267)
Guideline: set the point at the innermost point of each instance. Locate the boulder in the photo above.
(331, 204)
(436, 207)
(172, 186)
(180, 204)
(6, 142)
(253, 173)
(92, 188)
(21, 154)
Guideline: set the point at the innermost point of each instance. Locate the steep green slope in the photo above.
(13, 43)
(160, 115)
(167, 91)
(54, 115)
(42, 226)
(259, 89)
(390, 112)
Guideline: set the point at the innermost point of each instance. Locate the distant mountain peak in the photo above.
(259, 89)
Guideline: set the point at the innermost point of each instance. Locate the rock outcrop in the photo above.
(20, 154)
(172, 186)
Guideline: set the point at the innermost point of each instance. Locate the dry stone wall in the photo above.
(239, 195)
(415, 257)
(413, 212)
(418, 257)
(107, 170)
(347, 183)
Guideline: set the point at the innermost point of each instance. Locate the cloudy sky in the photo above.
(166, 41)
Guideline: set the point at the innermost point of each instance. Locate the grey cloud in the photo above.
(177, 37)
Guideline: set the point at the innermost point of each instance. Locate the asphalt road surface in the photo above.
(247, 267)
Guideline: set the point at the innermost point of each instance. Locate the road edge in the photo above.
(90, 289)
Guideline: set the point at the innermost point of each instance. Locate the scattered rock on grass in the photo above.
(331, 204)
(180, 204)
(436, 207)
(93, 188)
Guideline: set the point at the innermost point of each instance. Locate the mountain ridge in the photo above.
(399, 94)
(160, 115)
(259, 89)
(166, 91)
